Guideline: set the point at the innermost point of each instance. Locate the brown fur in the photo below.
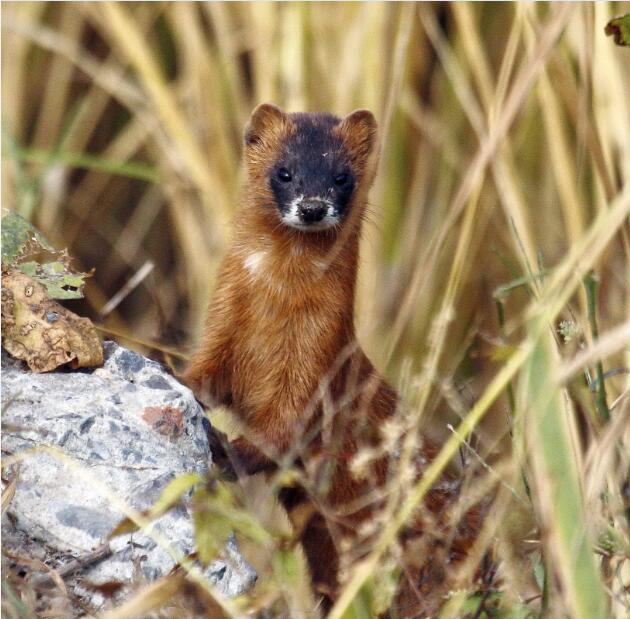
(275, 334)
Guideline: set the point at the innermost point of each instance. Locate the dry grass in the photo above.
(503, 182)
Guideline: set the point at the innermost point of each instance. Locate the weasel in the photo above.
(279, 344)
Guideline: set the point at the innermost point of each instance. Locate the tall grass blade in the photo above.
(558, 493)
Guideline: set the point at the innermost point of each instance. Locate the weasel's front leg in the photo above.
(209, 371)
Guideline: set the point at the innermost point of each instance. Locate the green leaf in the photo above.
(539, 571)
(173, 492)
(21, 240)
(212, 526)
(289, 569)
(619, 29)
(57, 278)
(216, 516)
(18, 235)
(502, 353)
(170, 495)
(376, 595)
(361, 607)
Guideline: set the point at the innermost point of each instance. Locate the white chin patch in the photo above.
(293, 218)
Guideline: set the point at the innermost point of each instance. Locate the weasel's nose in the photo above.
(312, 211)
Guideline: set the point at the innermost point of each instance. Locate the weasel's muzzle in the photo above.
(312, 211)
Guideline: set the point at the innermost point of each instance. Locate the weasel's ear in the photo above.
(264, 117)
(360, 131)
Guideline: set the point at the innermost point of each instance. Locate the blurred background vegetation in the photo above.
(505, 142)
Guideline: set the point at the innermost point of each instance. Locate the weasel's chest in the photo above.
(290, 324)
(282, 351)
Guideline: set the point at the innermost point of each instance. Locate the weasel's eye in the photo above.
(341, 179)
(284, 175)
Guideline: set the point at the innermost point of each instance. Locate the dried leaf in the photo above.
(148, 599)
(41, 332)
(124, 527)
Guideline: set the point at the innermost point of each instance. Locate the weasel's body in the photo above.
(279, 343)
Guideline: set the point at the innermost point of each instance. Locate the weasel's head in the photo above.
(310, 167)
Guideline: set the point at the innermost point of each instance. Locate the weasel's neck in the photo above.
(320, 267)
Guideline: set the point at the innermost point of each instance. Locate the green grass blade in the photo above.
(559, 496)
(130, 169)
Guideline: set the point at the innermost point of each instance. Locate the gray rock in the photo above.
(128, 428)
